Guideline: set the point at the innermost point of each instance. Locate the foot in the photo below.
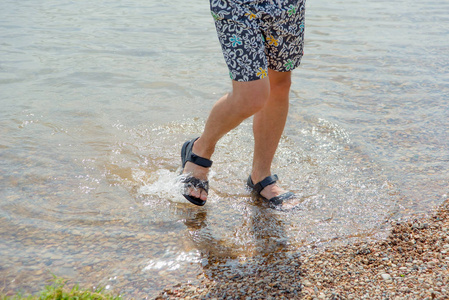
(195, 170)
(272, 190)
(198, 172)
(277, 197)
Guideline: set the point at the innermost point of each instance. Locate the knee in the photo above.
(257, 100)
(281, 86)
(253, 99)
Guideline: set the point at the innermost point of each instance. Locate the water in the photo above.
(98, 97)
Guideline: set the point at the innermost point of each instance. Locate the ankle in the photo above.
(202, 149)
(259, 176)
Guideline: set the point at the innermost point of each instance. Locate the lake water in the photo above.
(97, 98)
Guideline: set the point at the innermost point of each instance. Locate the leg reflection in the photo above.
(264, 265)
(263, 238)
(268, 230)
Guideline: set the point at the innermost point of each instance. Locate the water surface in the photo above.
(98, 97)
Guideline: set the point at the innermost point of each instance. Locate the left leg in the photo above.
(284, 49)
(268, 125)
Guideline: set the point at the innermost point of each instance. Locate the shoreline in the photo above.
(411, 263)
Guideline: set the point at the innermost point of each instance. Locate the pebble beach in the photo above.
(411, 263)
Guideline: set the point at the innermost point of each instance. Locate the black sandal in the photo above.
(190, 181)
(275, 202)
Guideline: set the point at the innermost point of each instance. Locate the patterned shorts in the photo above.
(259, 34)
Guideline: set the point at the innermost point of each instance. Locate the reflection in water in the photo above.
(267, 228)
(269, 238)
(265, 259)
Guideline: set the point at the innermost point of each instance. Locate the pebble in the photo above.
(410, 271)
(306, 283)
(385, 276)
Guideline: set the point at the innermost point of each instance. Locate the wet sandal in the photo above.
(275, 202)
(190, 181)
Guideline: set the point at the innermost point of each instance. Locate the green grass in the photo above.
(58, 290)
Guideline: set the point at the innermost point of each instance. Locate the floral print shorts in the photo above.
(259, 34)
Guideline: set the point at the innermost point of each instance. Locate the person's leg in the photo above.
(268, 126)
(245, 100)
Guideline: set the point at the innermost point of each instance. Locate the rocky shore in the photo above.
(412, 263)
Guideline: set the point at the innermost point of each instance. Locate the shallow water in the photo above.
(98, 97)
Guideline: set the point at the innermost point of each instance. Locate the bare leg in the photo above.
(229, 111)
(268, 126)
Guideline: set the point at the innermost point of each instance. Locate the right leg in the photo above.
(229, 111)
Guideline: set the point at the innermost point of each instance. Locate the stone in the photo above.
(385, 276)
(306, 283)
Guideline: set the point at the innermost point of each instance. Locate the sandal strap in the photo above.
(196, 183)
(258, 187)
(198, 160)
(188, 155)
(278, 200)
